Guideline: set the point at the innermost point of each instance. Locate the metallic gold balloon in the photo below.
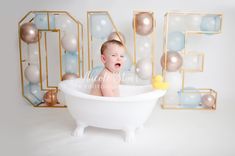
(117, 36)
(69, 76)
(173, 61)
(50, 97)
(208, 100)
(144, 23)
(29, 32)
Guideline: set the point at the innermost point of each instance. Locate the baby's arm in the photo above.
(106, 88)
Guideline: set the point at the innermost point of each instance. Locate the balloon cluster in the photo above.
(172, 61)
(143, 24)
(30, 33)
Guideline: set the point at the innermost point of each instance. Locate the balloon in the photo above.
(190, 96)
(33, 93)
(69, 76)
(96, 54)
(175, 80)
(117, 36)
(69, 42)
(65, 24)
(36, 91)
(33, 55)
(171, 98)
(210, 23)
(41, 21)
(94, 73)
(50, 97)
(101, 26)
(70, 62)
(193, 22)
(176, 23)
(144, 69)
(32, 73)
(144, 23)
(127, 63)
(176, 41)
(208, 100)
(29, 32)
(143, 48)
(191, 62)
(174, 61)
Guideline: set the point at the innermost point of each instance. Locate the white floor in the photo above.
(30, 131)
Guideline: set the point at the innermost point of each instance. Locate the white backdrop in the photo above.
(219, 71)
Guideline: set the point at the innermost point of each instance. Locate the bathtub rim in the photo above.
(148, 96)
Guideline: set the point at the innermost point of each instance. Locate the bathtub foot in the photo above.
(130, 135)
(78, 132)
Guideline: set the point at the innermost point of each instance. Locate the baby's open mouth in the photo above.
(117, 65)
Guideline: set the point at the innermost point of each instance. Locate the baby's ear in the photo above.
(103, 59)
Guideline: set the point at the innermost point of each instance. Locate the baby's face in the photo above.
(113, 57)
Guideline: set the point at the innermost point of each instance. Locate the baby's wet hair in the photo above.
(109, 42)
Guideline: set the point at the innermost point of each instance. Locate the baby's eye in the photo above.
(122, 56)
(113, 55)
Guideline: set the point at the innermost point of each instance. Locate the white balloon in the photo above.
(176, 23)
(193, 22)
(144, 69)
(101, 26)
(33, 54)
(175, 80)
(32, 73)
(191, 62)
(95, 49)
(143, 48)
(69, 42)
(65, 24)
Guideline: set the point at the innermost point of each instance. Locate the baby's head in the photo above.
(112, 55)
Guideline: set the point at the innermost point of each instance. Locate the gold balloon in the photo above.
(173, 61)
(69, 76)
(208, 100)
(144, 23)
(117, 36)
(29, 32)
(50, 97)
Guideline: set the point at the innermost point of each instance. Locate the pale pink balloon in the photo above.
(144, 23)
(117, 36)
(173, 61)
(208, 100)
(29, 32)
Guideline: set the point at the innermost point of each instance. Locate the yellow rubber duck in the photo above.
(157, 83)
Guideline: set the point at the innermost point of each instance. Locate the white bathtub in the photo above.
(127, 113)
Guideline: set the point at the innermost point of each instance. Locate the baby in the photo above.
(112, 56)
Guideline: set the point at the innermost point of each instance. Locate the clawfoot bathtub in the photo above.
(127, 112)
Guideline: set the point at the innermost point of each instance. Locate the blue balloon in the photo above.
(101, 26)
(176, 41)
(70, 62)
(33, 93)
(210, 23)
(190, 96)
(94, 73)
(41, 21)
